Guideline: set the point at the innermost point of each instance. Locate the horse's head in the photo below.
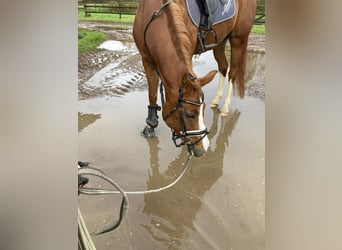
(184, 114)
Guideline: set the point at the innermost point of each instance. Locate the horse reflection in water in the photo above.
(173, 211)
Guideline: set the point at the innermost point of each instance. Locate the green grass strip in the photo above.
(259, 29)
(89, 40)
(129, 19)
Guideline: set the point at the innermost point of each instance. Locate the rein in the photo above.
(153, 16)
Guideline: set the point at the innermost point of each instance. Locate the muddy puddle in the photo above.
(219, 202)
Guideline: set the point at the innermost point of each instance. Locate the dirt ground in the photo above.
(91, 62)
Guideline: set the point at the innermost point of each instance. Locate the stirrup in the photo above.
(201, 35)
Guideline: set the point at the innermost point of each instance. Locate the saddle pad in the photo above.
(225, 10)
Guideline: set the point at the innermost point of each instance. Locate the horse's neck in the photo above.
(171, 94)
(166, 45)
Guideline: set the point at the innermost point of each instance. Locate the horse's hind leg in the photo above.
(152, 117)
(238, 63)
(237, 69)
(223, 67)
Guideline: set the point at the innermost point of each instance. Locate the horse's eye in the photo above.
(190, 116)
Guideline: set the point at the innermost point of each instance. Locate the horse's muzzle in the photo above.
(199, 148)
(198, 151)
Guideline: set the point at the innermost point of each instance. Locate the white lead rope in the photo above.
(94, 191)
(84, 237)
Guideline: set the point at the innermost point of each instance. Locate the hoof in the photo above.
(213, 105)
(224, 113)
(148, 132)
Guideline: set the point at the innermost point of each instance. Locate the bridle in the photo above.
(183, 132)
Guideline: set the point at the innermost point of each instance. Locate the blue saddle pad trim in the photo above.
(225, 10)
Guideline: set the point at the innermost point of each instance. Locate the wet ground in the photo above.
(220, 201)
(128, 62)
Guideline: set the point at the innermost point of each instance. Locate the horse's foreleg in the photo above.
(152, 116)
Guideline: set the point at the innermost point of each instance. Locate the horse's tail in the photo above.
(240, 76)
(239, 41)
(237, 70)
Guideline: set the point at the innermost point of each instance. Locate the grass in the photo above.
(259, 29)
(89, 40)
(129, 19)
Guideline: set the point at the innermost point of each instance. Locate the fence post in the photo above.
(119, 8)
(86, 14)
(260, 12)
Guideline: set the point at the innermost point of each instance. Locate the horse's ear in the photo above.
(207, 78)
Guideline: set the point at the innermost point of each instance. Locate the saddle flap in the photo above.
(220, 10)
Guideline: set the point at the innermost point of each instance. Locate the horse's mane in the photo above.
(180, 37)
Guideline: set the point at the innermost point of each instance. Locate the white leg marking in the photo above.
(225, 108)
(219, 92)
(201, 125)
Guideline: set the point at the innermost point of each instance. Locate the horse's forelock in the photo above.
(192, 87)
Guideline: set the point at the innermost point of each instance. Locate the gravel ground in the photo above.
(91, 62)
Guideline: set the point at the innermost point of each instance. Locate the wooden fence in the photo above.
(260, 14)
(128, 7)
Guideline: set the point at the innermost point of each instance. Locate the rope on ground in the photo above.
(84, 239)
(83, 232)
(124, 202)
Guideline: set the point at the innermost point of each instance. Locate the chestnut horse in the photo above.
(167, 39)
